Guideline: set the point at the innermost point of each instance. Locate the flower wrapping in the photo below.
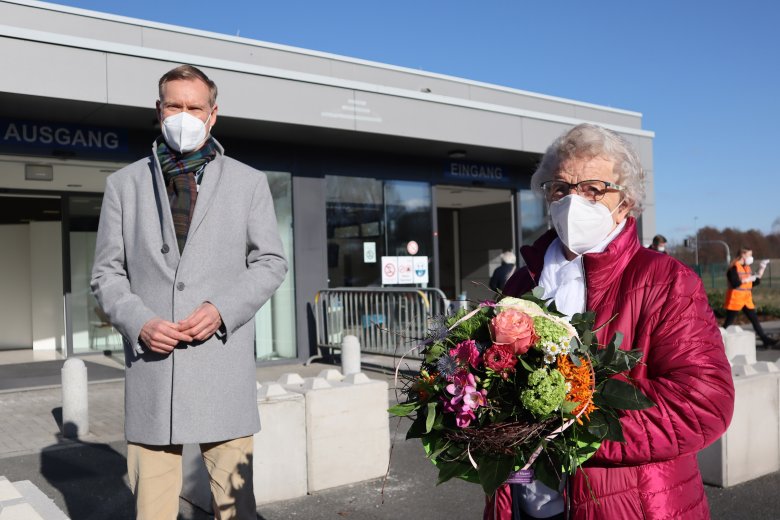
(515, 387)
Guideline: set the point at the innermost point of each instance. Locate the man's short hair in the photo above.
(188, 72)
(659, 239)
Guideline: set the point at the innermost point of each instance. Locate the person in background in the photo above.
(503, 272)
(739, 292)
(593, 183)
(659, 244)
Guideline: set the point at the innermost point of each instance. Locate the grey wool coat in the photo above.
(233, 258)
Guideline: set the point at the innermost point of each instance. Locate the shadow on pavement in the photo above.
(90, 478)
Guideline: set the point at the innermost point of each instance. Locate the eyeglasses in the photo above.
(590, 189)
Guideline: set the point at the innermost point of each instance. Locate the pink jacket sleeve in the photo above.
(687, 375)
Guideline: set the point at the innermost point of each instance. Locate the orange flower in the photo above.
(424, 385)
(581, 380)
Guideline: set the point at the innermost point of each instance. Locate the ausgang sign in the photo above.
(15, 135)
(468, 171)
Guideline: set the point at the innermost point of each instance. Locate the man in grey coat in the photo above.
(187, 252)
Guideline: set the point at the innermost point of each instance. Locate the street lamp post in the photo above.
(696, 240)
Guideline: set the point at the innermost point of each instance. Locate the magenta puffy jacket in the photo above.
(661, 308)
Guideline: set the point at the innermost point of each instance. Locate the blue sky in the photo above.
(706, 75)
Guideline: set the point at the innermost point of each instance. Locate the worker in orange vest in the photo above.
(739, 292)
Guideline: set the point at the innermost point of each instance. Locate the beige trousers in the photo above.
(155, 474)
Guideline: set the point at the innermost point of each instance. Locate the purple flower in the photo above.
(465, 398)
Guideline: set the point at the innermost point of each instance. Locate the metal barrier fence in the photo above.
(381, 318)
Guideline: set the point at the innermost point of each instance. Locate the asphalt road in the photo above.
(88, 482)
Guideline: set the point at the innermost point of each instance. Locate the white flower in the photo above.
(549, 358)
(521, 305)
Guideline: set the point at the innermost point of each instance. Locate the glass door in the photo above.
(88, 328)
(31, 284)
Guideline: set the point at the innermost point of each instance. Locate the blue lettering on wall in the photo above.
(468, 171)
(17, 135)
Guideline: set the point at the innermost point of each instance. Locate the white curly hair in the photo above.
(589, 140)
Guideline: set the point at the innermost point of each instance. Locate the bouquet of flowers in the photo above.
(515, 389)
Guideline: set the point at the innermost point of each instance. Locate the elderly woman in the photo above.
(594, 185)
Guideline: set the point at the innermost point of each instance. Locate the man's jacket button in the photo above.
(165, 249)
(180, 286)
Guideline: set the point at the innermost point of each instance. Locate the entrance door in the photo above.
(475, 225)
(88, 327)
(31, 303)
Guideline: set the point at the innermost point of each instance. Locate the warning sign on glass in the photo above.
(404, 270)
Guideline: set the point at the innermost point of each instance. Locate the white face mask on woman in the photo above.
(581, 224)
(184, 132)
(748, 260)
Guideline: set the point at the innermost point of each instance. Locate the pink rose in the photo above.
(514, 328)
(466, 352)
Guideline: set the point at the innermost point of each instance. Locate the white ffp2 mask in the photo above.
(184, 132)
(581, 224)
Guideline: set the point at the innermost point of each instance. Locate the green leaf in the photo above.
(617, 339)
(538, 293)
(434, 353)
(587, 338)
(568, 406)
(598, 425)
(493, 471)
(525, 365)
(403, 409)
(575, 359)
(608, 354)
(545, 472)
(621, 395)
(417, 429)
(430, 417)
(449, 470)
(615, 432)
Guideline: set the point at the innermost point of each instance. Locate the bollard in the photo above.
(75, 406)
(350, 355)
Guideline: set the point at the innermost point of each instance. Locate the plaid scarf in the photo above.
(179, 172)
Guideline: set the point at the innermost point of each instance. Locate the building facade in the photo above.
(364, 160)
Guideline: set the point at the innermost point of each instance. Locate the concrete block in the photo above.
(739, 360)
(765, 367)
(357, 379)
(290, 378)
(739, 342)
(7, 490)
(751, 446)
(315, 383)
(280, 446)
(347, 431)
(19, 512)
(743, 370)
(331, 374)
(43, 505)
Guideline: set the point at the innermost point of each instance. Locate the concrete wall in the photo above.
(155, 36)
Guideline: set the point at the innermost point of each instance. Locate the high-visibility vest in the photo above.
(742, 296)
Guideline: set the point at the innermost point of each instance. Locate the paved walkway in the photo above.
(29, 419)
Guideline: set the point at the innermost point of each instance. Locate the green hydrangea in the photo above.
(545, 393)
(549, 330)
